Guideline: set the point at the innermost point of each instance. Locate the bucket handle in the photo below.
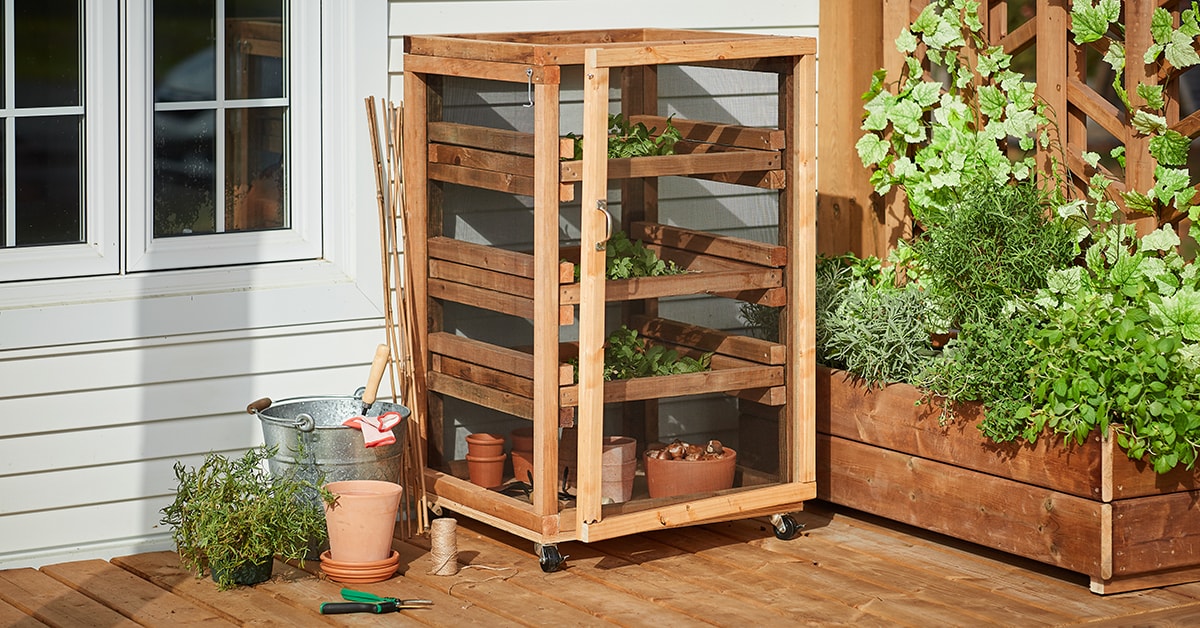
(304, 421)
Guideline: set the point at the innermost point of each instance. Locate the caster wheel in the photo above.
(550, 559)
(785, 527)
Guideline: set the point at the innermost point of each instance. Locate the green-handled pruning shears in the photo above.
(362, 602)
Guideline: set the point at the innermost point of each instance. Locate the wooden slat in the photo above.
(738, 249)
(1155, 533)
(477, 159)
(469, 275)
(481, 298)
(891, 418)
(1041, 524)
(484, 376)
(490, 507)
(485, 354)
(682, 53)
(478, 394)
(14, 617)
(694, 131)
(1096, 108)
(726, 164)
(487, 70)
(482, 256)
(486, 138)
(665, 386)
(488, 180)
(706, 339)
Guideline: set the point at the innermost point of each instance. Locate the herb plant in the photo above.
(633, 140)
(627, 259)
(627, 356)
(992, 243)
(1098, 330)
(231, 512)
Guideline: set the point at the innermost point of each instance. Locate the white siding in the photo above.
(104, 385)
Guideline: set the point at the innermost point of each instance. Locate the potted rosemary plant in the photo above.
(232, 517)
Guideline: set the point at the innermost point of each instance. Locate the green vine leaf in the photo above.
(1089, 21)
(1148, 123)
(1180, 51)
(1170, 148)
(1181, 312)
(1169, 181)
(1162, 26)
(872, 149)
(1152, 94)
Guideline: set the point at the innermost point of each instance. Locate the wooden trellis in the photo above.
(1062, 82)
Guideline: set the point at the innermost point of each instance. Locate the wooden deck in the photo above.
(844, 568)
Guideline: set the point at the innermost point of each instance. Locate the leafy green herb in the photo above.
(231, 512)
(626, 259)
(627, 356)
(633, 140)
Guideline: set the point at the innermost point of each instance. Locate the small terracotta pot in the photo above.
(522, 439)
(363, 520)
(667, 478)
(486, 471)
(485, 445)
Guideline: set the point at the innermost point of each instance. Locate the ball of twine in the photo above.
(444, 546)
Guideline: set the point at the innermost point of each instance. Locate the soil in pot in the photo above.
(667, 476)
(363, 520)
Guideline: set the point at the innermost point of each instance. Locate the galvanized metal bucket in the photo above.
(313, 443)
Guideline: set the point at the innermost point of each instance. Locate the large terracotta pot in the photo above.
(667, 478)
(362, 521)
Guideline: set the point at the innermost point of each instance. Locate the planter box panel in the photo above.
(1037, 523)
(890, 417)
(1156, 533)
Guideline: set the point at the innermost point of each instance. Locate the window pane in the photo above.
(184, 40)
(184, 172)
(254, 48)
(46, 60)
(255, 169)
(49, 206)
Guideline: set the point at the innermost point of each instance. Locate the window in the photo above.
(185, 151)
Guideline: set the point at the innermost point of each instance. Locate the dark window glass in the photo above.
(185, 189)
(49, 180)
(46, 65)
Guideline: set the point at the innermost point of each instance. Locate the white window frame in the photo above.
(343, 284)
(98, 253)
(303, 239)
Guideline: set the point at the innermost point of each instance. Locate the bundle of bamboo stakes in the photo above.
(402, 336)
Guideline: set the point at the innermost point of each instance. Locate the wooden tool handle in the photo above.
(259, 405)
(377, 367)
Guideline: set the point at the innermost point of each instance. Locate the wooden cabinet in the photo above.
(536, 382)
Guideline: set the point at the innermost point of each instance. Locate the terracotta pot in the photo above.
(360, 573)
(522, 462)
(667, 478)
(363, 520)
(486, 471)
(619, 465)
(522, 439)
(485, 445)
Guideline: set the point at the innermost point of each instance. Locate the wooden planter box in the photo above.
(1087, 508)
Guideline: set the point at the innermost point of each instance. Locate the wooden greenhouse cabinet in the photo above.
(538, 384)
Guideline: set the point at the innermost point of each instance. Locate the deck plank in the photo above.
(54, 603)
(791, 559)
(1045, 585)
(490, 590)
(845, 568)
(568, 587)
(243, 604)
(135, 598)
(13, 617)
(710, 602)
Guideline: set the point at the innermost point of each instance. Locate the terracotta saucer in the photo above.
(327, 558)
